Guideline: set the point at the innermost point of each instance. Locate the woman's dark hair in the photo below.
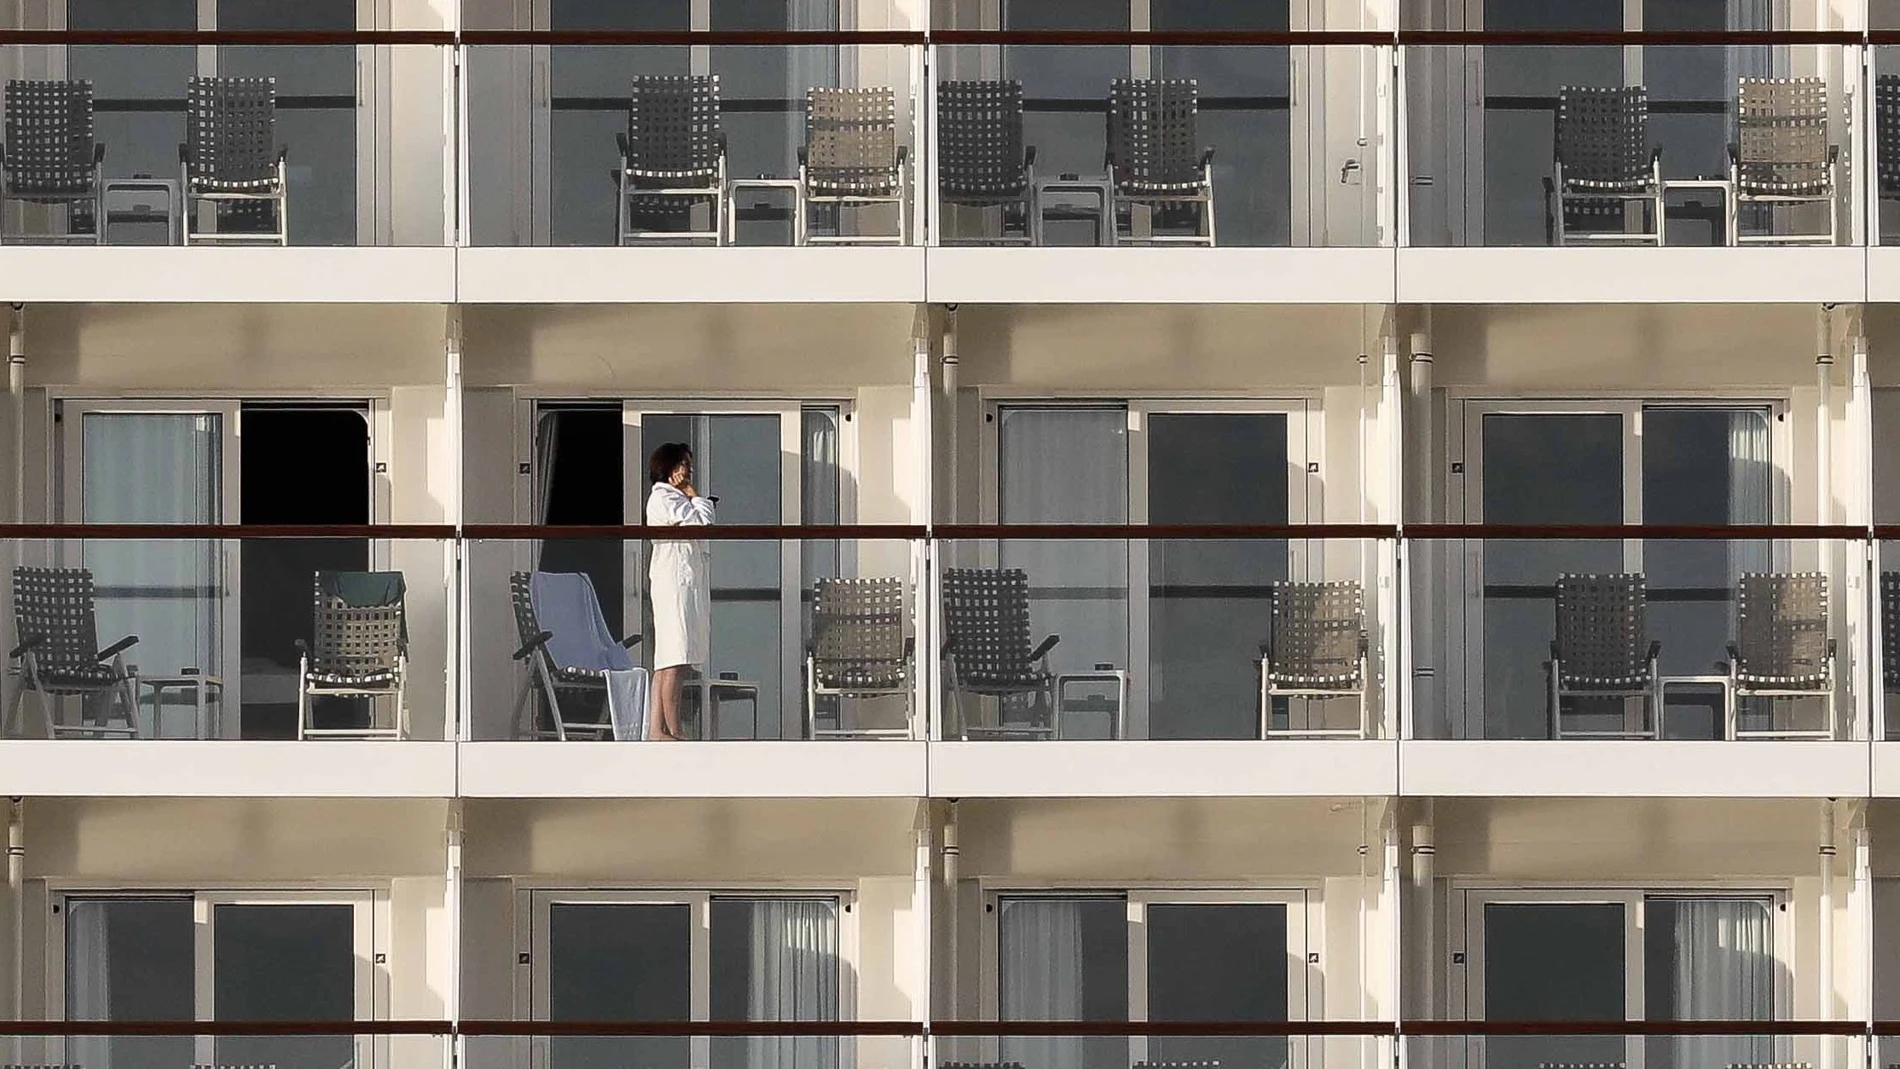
(667, 457)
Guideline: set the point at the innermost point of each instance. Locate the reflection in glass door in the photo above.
(618, 962)
(1208, 600)
(1554, 961)
(285, 961)
(1539, 468)
(1221, 961)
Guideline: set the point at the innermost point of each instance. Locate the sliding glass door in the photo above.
(1606, 464)
(1620, 956)
(158, 463)
(1164, 956)
(1184, 617)
(616, 956)
(264, 956)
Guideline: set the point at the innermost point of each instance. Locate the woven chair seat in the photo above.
(864, 677)
(80, 679)
(998, 680)
(365, 678)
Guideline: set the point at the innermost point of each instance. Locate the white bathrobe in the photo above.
(682, 599)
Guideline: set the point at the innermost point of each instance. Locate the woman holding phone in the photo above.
(677, 583)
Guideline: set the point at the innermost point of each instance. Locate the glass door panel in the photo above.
(588, 106)
(1708, 959)
(285, 962)
(1063, 959)
(739, 458)
(1246, 113)
(1206, 599)
(1065, 89)
(316, 108)
(138, 91)
(1069, 465)
(1539, 468)
(612, 961)
(129, 959)
(160, 468)
(1554, 961)
(1520, 105)
(774, 959)
(1219, 962)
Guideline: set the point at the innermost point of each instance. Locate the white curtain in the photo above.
(141, 467)
(1041, 977)
(1749, 61)
(794, 977)
(88, 979)
(1750, 488)
(1724, 971)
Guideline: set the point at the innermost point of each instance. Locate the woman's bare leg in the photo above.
(672, 710)
(666, 695)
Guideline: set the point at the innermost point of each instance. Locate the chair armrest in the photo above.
(98, 152)
(804, 154)
(1733, 653)
(1042, 651)
(631, 641)
(1833, 647)
(1266, 649)
(1833, 155)
(116, 648)
(531, 645)
(1655, 153)
(303, 647)
(910, 646)
(903, 155)
(1029, 156)
(1365, 643)
(1207, 156)
(184, 152)
(620, 139)
(26, 644)
(1655, 649)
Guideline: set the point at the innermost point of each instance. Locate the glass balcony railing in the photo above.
(715, 144)
(729, 637)
(1161, 144)
(732, 1044)
(1733, 1044)
(1079, 634)
(122, 635)
(1632, 143)
(227, 143)
(1655, 633)
(281, 1043)
(1179, 1042)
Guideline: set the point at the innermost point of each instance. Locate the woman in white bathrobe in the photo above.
(677, 583)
